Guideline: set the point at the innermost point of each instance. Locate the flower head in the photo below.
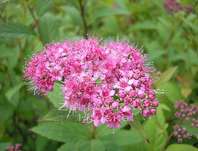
(186, 114)
(175, 6)
(180, 133)
(109, 80)
(186, 111)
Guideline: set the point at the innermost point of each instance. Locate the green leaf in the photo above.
(162, 26)
(124, 137)
(111, 25)
(10, 54)
(103, 131)
(68, 147)
(49, 28)
(11, 94)
(74, 14)
(135, 147)
(171, 90)
(193, 57)
(186, 91)
(55, 116)
(166, 76)
(2, 130)
(91, 145)
(13, 30)
(41, 143)
(6, 110)
(3, 1)
(192, 130)
(145, 25)
(117, 139)
(154, 50)
(4, 146)
(61, 115)
(106, 11)
(62, 131)
(42, 6)
(56, 96)
(96, 145)
(181, 147)
(160, 118)
(156, 131)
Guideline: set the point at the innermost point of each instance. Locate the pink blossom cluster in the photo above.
(16, 147)
(181, 133)
(108, 79)
(187, 112)
(175, 6)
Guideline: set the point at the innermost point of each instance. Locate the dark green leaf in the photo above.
(14, 30)
(49, 28)
(6, 110)
(11, 94)
(41, 143)
(42, 6)
(74, 14)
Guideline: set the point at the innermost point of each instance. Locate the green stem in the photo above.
(93, 132)
(36, 23)
(82, 13)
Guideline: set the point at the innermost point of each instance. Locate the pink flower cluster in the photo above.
(175, 6)
(181, 133)
(187, 112)
(109, 80)
(16, 147)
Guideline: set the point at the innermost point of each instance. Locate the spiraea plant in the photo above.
(98, 95)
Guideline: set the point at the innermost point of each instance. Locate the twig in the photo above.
(36, 22)
(82, 13)
(22, 50)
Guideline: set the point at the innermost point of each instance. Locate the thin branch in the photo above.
(36, 22)
(82, 13)
(22, 50)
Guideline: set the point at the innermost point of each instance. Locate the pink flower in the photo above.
(126, 113)
(108, 80)
(115, 105)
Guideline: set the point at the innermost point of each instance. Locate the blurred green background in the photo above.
(170, 38)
